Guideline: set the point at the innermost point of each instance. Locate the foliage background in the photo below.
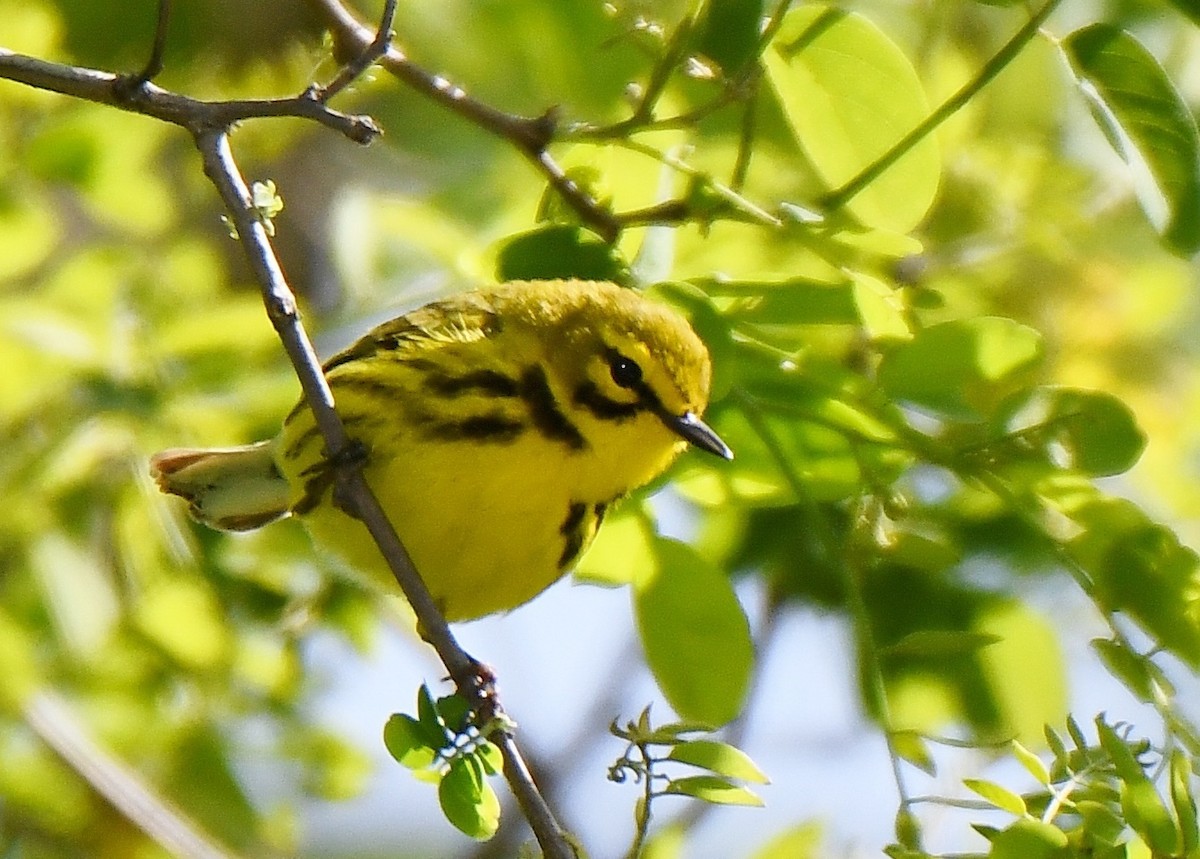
(128, 323)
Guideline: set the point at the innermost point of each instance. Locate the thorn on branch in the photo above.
(127, 88)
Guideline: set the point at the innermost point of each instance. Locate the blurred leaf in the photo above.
(1139, 568)
(1149, 125)
(849, 94)
(182, 616)
(623, 551)
(880, 307)
(695, 635)
(1090, 431)
(1032, 763)
(712, 789)
(1183, 800)
(962, 369)
(468, 801)
(409, 742)
(1102, 823)
(559, 252)
(720, 758)
(729, 32)
(911, 746)
(1131, 668)
(938, 642)
(997, 795)
(1148, 817)
(1029, 839)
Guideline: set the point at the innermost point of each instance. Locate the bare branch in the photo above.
(51, 719)
(531, 135)
(154, 64)
(370, 54)
(353, 489)
(209, 124)
(190, 113)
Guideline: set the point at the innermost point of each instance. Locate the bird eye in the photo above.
(625, 371)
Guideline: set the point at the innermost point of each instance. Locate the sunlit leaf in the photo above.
(938, 642)
(712, 789)
(468, 801)
(1149, 125)
(1029, 839)
(1032, 763)
(849, 94)
(720, 758)
(409, 743)
(962, 369)
(911, 746)
(997, 795)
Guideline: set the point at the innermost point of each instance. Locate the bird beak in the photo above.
(697, 432)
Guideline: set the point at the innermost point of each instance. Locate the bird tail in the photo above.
(230, 488)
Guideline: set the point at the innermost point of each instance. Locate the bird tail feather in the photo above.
(229, 488)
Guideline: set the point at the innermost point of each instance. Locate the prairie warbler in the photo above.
(500, 425)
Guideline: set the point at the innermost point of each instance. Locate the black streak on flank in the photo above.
(487, 382)
(574, 529)
(485, 428)
(544, 411)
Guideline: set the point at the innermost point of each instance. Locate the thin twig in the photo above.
(368, 57)
(209, 124)
(51, 719)
(353, 489)
(153, 101)
(158, 51)
(530, 135)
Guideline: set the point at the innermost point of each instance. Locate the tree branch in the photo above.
(530, 135)
(209, 124)
(153, 101)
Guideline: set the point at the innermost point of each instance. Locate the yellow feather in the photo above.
(500, 425)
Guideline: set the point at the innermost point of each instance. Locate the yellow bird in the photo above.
(500, 426)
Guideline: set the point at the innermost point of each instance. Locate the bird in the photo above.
(498, 427)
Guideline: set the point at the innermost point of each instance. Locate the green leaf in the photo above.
(409, 743)
(1149, 818)
(559, 252)
(997, 795)
(849, 94)
(622, 552)
(798, 842)
(1131, 668)
(1149, 125)
(1183, 801)
(1032, 763)
(1101, 822)
(880, 308)
(1089, 431)
(1187, 8)
(796, 301)
(184, 618)
(1139, 568)
(962, 369)
(717, 791)
(1123, 759)
(720, 758)
(911, 746)
(695, 634)
(729, 32)
(940, 642)
(468, 801)
(1029, 839)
